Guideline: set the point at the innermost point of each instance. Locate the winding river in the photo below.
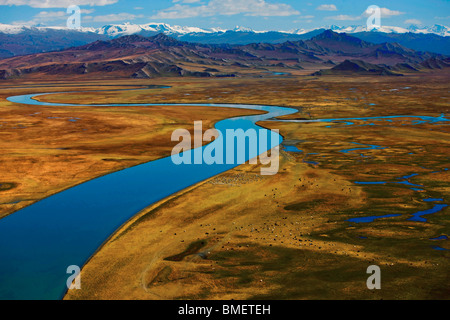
(39, 242)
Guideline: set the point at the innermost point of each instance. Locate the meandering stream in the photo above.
(39, 242)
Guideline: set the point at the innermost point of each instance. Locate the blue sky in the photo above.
(256, 14)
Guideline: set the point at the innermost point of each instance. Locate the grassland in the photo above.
(244, 236)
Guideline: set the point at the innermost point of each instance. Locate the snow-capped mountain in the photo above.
(439, 30)
(20, 40)
(116, 30)
(128, 29)
(300, 31)
(16, 29)
(139, 57)
(442, 31)
(356, 29)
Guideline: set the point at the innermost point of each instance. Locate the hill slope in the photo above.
(22, 40)
(160, 55)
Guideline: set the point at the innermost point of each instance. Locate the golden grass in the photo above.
(286, 236)
(243, 236)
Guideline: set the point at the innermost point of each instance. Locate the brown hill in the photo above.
(160, 55)
(357, 67)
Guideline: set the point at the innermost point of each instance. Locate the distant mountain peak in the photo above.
(127, 28)
(130, 38)
(330, 35)
(242, 29)
(355, 67)
(139, 56)
(21, 40)
(162, 37)
(413, 28)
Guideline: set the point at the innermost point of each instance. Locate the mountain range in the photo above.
(20, 40)
(117, 30)
(137, 56)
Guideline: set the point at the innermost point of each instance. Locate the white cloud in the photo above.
(50, 15)
(228, 8)
(117, 17)
(413, 21)
(186, 1)
(55, 3)
(344, 17)
(44, 17)
(327, 7)
(305, 17)
(385, 13)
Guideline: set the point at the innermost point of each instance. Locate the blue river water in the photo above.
(367, 147)
(372, 218)
(443, 237)
(292, 149)
(39, 242)
(417, 216)
(349, 121)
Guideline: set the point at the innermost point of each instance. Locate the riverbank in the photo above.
(288, 236)
(50, 149)
(99, 206)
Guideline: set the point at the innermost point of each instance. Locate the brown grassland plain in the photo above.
(240, 235)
